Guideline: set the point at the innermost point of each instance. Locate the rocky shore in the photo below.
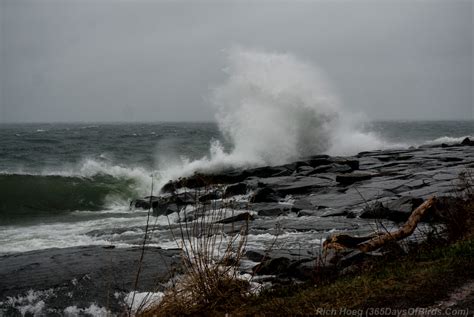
(305, 200)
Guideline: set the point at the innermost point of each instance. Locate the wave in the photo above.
(25, 194)
(91, 185)
(274, 108)
(447, 140)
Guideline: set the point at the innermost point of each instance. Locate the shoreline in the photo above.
(327, 193)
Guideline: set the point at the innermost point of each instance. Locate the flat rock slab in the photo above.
(86, 274)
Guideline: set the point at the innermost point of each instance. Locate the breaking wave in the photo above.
(274, 108)
(90, 186)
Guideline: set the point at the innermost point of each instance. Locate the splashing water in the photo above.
(272, 109)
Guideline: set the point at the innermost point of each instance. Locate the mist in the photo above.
(136, 61)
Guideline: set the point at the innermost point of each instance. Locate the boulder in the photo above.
(274, 266)
(270, 210)
(269, 171)
(256, 256)
(143, 203)
(301, 204)
(164, 209)
(308, 213)
(401, 209)
(348, 179)
(240, 217)
(235, 189)
(265, 195)
(467, 142)
(396, 210)
(375, 211)
(210, 196)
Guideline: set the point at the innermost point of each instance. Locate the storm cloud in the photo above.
(103, 60)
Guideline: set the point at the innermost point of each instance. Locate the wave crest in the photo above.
(274, 108)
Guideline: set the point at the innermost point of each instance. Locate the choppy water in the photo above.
(60, 181)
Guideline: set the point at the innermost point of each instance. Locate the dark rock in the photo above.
(352, 163)
(375, 211)
(201, 180)
(301, 204)
(265, 194)
(173, 203)
(304, 170)
(269, 171)
(351, 215)
(140, 203)
(402, 208)
(451, 159)
(210, 196)
(274, 266)
(302, 185)
(334, 213)
(303, 269)
(270, 210)
(256, 256)
(308, 213)
(397, 210)
(186, 198)
(164, 209)
(339, 168)
(240, 217)
(318, 160)
(93, 268)
(235, 189)
(467, 142)
(347, 179)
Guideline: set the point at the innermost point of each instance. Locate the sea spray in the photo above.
(274, 108)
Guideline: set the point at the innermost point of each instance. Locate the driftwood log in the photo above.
(373, 242)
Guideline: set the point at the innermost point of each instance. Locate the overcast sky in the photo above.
(104, 60)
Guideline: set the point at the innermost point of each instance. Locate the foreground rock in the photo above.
(83, 275)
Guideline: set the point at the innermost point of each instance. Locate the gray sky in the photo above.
(135, 60)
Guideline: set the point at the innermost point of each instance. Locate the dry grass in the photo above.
(211, 285)
(211, 257)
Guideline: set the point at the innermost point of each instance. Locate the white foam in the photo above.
(274, 108)
(142, 300)
(93, 310)
(447, 140)
(32, 303)
(70, 234)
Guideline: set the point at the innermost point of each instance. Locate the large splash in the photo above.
(274, 108)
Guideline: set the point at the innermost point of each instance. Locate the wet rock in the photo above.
(269, 171)
(173, 203)
(451, 159)
(301, 204)
(303, 269)
(467, 142)
(302, 185)
(270, 210)
(265, 194)
(348, 179)
(240, 217)
(352, 163)
(308, 213)
(235, 189)
(304, 170)
(274, 266)
(256, 256)
(89, 274)
(144, 203)
(375, 211)
(213, 195)
(164, 209)
(397, 210)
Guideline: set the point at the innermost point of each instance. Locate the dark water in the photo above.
(34, 148)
